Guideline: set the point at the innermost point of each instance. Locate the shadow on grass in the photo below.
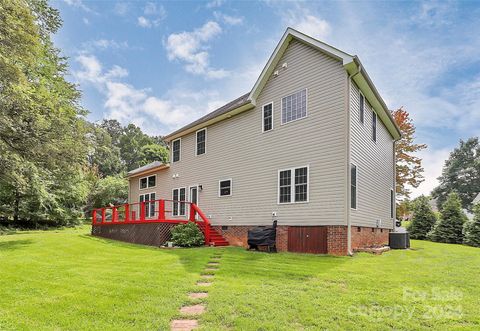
(14, 244)
(256, 264)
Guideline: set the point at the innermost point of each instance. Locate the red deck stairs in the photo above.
(216, 239)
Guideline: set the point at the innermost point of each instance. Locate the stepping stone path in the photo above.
(197, 309)
(198, 295)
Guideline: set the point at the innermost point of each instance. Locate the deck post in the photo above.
(127, 212)
(94, 217)
(114, 214)
(161, 215)
(142, 211)
(192, 213)
(103, 215)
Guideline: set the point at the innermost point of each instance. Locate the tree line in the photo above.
(54, 164)
(454, 196)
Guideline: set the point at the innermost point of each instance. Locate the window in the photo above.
(176, 150)
(374, 126)
(392, 203)
(362, 108)
(147, 182)
(179, 206)
(201, 142)
(225, 188)
(267, 116)
(353, 186)
(293, 190)
(149, 199)
(301, 184)
(294, 106)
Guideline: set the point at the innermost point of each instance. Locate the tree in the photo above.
(103, 154)
(114, 129)
(461, 173)
(471, 231)
(404, 209)
(131, 143)
(449, 229)
(42, 136)
(423, 218)
(153, 152)
(108, 190)
(409, 167)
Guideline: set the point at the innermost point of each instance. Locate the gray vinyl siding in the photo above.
(375, 169)
(238, 149)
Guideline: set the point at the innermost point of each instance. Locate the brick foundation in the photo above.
(337, 241)
(363, 237)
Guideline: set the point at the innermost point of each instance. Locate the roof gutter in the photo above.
(240, 109)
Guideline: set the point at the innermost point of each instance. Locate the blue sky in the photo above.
(161, 65)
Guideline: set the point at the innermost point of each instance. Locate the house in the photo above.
(311, 146)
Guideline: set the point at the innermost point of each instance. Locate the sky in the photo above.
(161, 65)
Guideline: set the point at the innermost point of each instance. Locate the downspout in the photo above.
(349, 194)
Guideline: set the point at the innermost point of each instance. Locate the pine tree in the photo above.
(423, 218)
(449, 229)
(471, 230)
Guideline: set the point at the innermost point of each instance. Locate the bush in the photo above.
(449, 229)
(187, 235)
(471, 231)
(423, 218)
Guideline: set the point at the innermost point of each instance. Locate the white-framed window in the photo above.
(149, 200)
(225, 187)
(148, 182)
(353, 186)
(267, 117)
(179, 196)
(176, 146)
(294, 106)
(362, 108)
(374, 126)
(392, 203)
(293, 185)
(201, 142)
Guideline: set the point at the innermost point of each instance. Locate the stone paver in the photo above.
(183, 325)
(204, 283)
(212, 263)
(198, 295)
(206, 276)
(193, 310)
(211, 269)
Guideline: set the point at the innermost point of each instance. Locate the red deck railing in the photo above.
(155, 211)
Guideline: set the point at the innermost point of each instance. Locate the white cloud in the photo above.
(227, 19)
(121, 8)
(304, 20)
(191, 48)
(432, 161)
(215, 3)
(153, 15)
(144, 22)
(103, 44)
(129, 104)
(86, 21)
(80, 5)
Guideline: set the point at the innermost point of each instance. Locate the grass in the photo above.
(68, 280)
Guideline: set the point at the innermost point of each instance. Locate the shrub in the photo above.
(187, 235)
(423, 218)
(471, 230)
(449, 229)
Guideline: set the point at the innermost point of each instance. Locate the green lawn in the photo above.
(68, 280)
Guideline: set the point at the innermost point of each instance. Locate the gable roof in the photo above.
(351, 63)
(155, 165)
(240, 101)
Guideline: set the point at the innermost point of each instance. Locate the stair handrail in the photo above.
(195, 209)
